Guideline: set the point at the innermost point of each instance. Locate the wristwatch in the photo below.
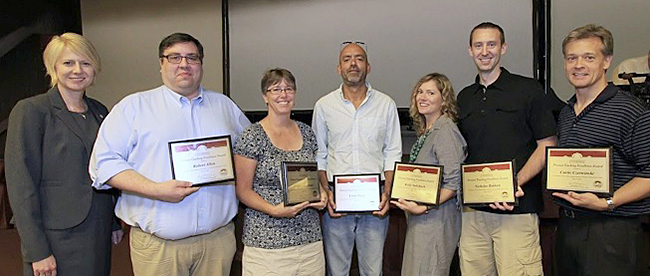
(610, 204)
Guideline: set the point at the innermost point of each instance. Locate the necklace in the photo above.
(418, 146)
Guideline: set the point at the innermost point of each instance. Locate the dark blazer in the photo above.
(47, 158)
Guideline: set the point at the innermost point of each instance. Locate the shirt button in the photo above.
(482, 111)
(484, 98)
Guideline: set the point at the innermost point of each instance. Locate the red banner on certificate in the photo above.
(203, 161)
(579, 170)
(417, 182)
(488, 183)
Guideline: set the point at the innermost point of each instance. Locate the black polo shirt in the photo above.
(618, 119)
(503, 122)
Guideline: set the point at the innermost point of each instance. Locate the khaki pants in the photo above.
(500, 244)
(301, 260)
(209, 254)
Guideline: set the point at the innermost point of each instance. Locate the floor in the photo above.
(11, 261)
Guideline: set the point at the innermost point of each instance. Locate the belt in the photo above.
(577, 214)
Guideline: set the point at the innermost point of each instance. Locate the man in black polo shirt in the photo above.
(602, 236)
(503, 117)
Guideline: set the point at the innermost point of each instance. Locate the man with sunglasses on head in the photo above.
(176, 229)
(358, 131)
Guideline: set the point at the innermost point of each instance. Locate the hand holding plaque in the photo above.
(300, 182)
(579, 170)
(202, 161)
(487, 183)
(417, 182)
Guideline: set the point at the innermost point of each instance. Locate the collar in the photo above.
(500, 83)
(607, 93)
(57, 100)
(180, 99)
(369, 93)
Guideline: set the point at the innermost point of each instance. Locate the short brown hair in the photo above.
(176, 38)
(77, 44)
(275, 76)
(449, 106)
(591, 31)
(488, 25)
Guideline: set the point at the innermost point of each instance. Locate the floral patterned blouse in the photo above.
(260, 229)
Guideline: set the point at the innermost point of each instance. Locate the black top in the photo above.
(502, 122)
(87, 122)
(617, 119)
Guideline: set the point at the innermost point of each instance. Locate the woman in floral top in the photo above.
(278, 239)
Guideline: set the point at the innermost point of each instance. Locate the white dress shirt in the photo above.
(353, 141)
(134, 136)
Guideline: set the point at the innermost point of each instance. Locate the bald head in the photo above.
(353, 47)
(353, 65)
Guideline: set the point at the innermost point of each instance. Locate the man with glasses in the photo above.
(503, 117)
(177, 229)
(358, 131)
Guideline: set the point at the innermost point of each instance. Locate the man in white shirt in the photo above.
(639, 65)
(177, 229)
(358, 131)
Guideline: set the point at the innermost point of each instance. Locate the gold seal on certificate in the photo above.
(488, 183)
(203, 161)
(417, 182)
(579, 170)
(357, 193)
(300, 182)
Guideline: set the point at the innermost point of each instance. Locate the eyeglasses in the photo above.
(278, 91)
(176, 59)
(360, 43)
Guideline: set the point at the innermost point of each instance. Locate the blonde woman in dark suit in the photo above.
(65, 226)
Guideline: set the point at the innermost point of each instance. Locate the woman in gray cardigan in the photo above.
(433, 234)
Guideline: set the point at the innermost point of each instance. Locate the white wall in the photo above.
(406, 39)
(126, 34)
(626, 19)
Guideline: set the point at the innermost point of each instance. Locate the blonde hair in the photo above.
(449, 106)
(77, 44)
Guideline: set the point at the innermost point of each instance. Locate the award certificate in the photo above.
(357, 193)
(417, 182)
(488, 183)
(579, 170)
(300, 182)
(203, 161)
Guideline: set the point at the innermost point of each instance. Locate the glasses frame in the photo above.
(280, 90)
(200, 59)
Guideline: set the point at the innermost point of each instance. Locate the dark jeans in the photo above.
(597, 244)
